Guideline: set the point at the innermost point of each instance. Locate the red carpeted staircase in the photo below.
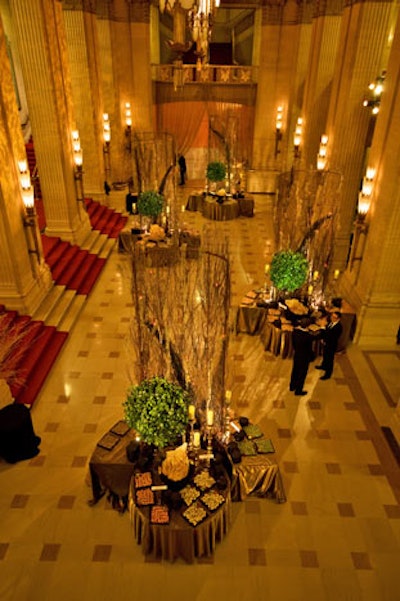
(33, 349)
(107, 221)
(71, 266)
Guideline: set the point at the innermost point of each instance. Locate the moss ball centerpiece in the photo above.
(158, 410)
(288, 270)
(216, 171)
(150, 203)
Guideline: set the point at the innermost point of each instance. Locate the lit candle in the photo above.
(196, 439)
(310, 289)
(210, 417)
(168, 210)
(266, 268)
(228, 396)
(316, 274)
(191, 411)
(183, 208)
(336, 274)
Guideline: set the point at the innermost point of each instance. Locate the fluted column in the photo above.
(363, 42)
(84, 65)
(284, 49)
(374, 283)
(321, 65)
(141, 70)
(42, 49)
(24, 277)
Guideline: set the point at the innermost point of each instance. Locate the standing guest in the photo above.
(330, 339)
(182, 169)
(303, 355)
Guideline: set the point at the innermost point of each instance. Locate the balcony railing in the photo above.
(212, 74)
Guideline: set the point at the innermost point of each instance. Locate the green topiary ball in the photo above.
(150, 203)
(216, 171)
(289, 270)
(158, 410)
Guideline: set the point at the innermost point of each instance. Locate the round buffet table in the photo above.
(216, 211)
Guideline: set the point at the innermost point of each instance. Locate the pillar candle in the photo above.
(266, 268)
(191, 411)
(336, 274)
(310, 289)
(316, 274)
(210, 417)
(196, 439)
(228, 396)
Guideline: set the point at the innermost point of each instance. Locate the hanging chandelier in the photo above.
(201, 18)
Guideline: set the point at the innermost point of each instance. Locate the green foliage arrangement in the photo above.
(158, 410)
(216, 171)
(150, 203)
(288, 270)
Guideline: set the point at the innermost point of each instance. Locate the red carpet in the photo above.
(105, 220)
(34, 348)
(70, 266)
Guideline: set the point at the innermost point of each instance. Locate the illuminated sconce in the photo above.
(297, 137)
(375, 92)
(128, 126)
(364, 196)
(321, 158)
(278, 129)
(78, 162)
(28, 198)
(106, 145)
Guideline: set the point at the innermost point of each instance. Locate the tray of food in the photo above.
(253, 431)
(246, 447)
(189, 494)
(264, 446)
(143, 479)
(212, 500)
(144, 496)
(203, 480)
(159, 514)
(120, 428)
(108, 441)
(194, 514)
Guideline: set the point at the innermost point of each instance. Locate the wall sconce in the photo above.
(375, 92)
(361, 227)
(297, 137)
(128, 126)
(78, 161)
(321, 158)
(106, 145)
(28, 198)
(278, 129)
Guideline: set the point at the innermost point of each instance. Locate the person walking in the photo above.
(330, 338)
(303, 355)
(182, 169)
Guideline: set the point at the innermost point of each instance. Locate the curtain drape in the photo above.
(182, 120)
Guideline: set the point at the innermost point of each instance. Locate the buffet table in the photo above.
(259, 476)
(232, 207)
(179, 538)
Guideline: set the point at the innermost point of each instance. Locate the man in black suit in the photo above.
(303, 355)
(330, 339)
(182, 169)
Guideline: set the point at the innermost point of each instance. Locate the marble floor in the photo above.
(336, 538)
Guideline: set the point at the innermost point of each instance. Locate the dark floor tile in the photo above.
(66, 502)
(98, 318)
(333, 468)
(257, 557)
(323, 434)
(89, 428)
(239, 379)
(63, 399)
(91, 335)
(315, 405)
(351, 406)
(79, 461)
(3, 550)
(291, 467)
(19, 501)
(278, 404)
(375, 469)
(52, 427)
(284, 433)
(308, 559)
(99, 400)
(114, 354)
(101, 552)
(362, 435)
(107, 375)
(50, 552)
(38, 461)
(345, 510)
(361, 560)
(392, 511)
(83, 354)
(299, 507)
(74, 375)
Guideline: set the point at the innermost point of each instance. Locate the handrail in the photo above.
(210, 74)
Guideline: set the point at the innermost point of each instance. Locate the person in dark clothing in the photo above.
(303, 355)
(330, 339)
(182, 169)
(107, 188)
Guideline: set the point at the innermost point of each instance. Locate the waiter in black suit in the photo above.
(303, 355)
(330, 338)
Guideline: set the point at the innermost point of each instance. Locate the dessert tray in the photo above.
(246, 447)
(143, 479)
(194, 514)
(108, 441)
(212, 500)
(120, 428)
(144, 496)
(252, 431)
(189, 494)
(203, 480)
(159, 514)
(264, 446)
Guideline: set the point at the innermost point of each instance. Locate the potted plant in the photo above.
(216, 172)
(150, 203)
(288, 270)
(158, 410)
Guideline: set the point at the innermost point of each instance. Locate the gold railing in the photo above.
(212, 74)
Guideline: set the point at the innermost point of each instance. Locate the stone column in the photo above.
(42, 49)
(84, 65)
(284, 49)
(24, 276)
(372, 283)
(363, 41)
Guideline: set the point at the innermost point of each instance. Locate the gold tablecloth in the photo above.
(257, 475)
(195, 202)
(250, 319)
(225, 211)
(179, 538)
(246, 206)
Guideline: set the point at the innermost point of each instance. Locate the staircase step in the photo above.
(107, 248)
(74, 309)
(101, 241)
(68, 258)
(45, 309)
(33, 358)
(71, 271)
(92, 276)
(61, 309)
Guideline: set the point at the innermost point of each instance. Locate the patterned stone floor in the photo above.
(337, 536)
